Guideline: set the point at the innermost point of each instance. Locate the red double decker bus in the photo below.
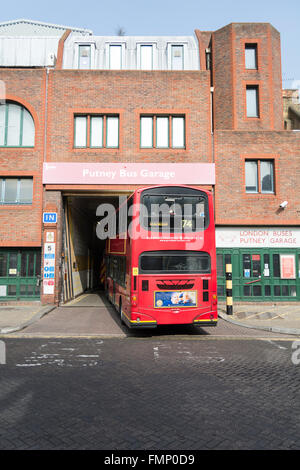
(161, 269)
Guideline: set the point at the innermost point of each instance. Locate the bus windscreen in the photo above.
(174, 212)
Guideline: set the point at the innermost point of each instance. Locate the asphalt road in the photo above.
(150, 392)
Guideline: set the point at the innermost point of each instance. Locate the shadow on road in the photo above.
(162, 330)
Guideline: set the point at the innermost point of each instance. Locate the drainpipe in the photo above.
(212, 136)
(46, 113)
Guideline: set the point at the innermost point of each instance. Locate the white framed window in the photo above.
(252, 101)
(162, 131)
(267, 176)
(80, 131)
(251, 56)
(259, 176)
(178, 132)
(115, 56)
(16, 126)
(96, 131)
(96, 137)
(146, 134)
(146, 57)
(16, 190)
(84, 56)
(177, 57)
(112, 131)
(251, 176)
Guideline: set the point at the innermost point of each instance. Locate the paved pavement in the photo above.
(17, 317)
(92, 315)
(277, 318)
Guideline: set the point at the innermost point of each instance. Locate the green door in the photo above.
(228, 256)
(251, 282)
(263, 274)
(20, 273)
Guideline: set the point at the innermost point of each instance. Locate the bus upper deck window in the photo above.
(186, 210)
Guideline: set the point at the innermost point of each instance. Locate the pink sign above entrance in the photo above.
(128, 173)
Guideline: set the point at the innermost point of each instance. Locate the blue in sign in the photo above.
(49, 218)
(49, 255)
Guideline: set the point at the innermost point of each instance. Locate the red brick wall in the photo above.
(233, 205)
(230, 76)
(129, 93)
(204, 42)
(53, 203)
(222, 78)
(21, 225)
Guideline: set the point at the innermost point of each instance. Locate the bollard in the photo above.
(229, 289)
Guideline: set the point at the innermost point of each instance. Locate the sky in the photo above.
(170, 17)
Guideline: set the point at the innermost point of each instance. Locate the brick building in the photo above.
(87, 118)
(291, 109)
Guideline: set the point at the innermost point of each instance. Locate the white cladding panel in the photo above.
(27, 51)
(131, 51)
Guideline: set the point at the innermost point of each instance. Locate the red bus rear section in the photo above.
(162, 270)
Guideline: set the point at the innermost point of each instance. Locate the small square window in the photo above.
(277, 292)
(259, 176)
(285, 290)
(247, 291)
(257, 290)
(267, 291)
